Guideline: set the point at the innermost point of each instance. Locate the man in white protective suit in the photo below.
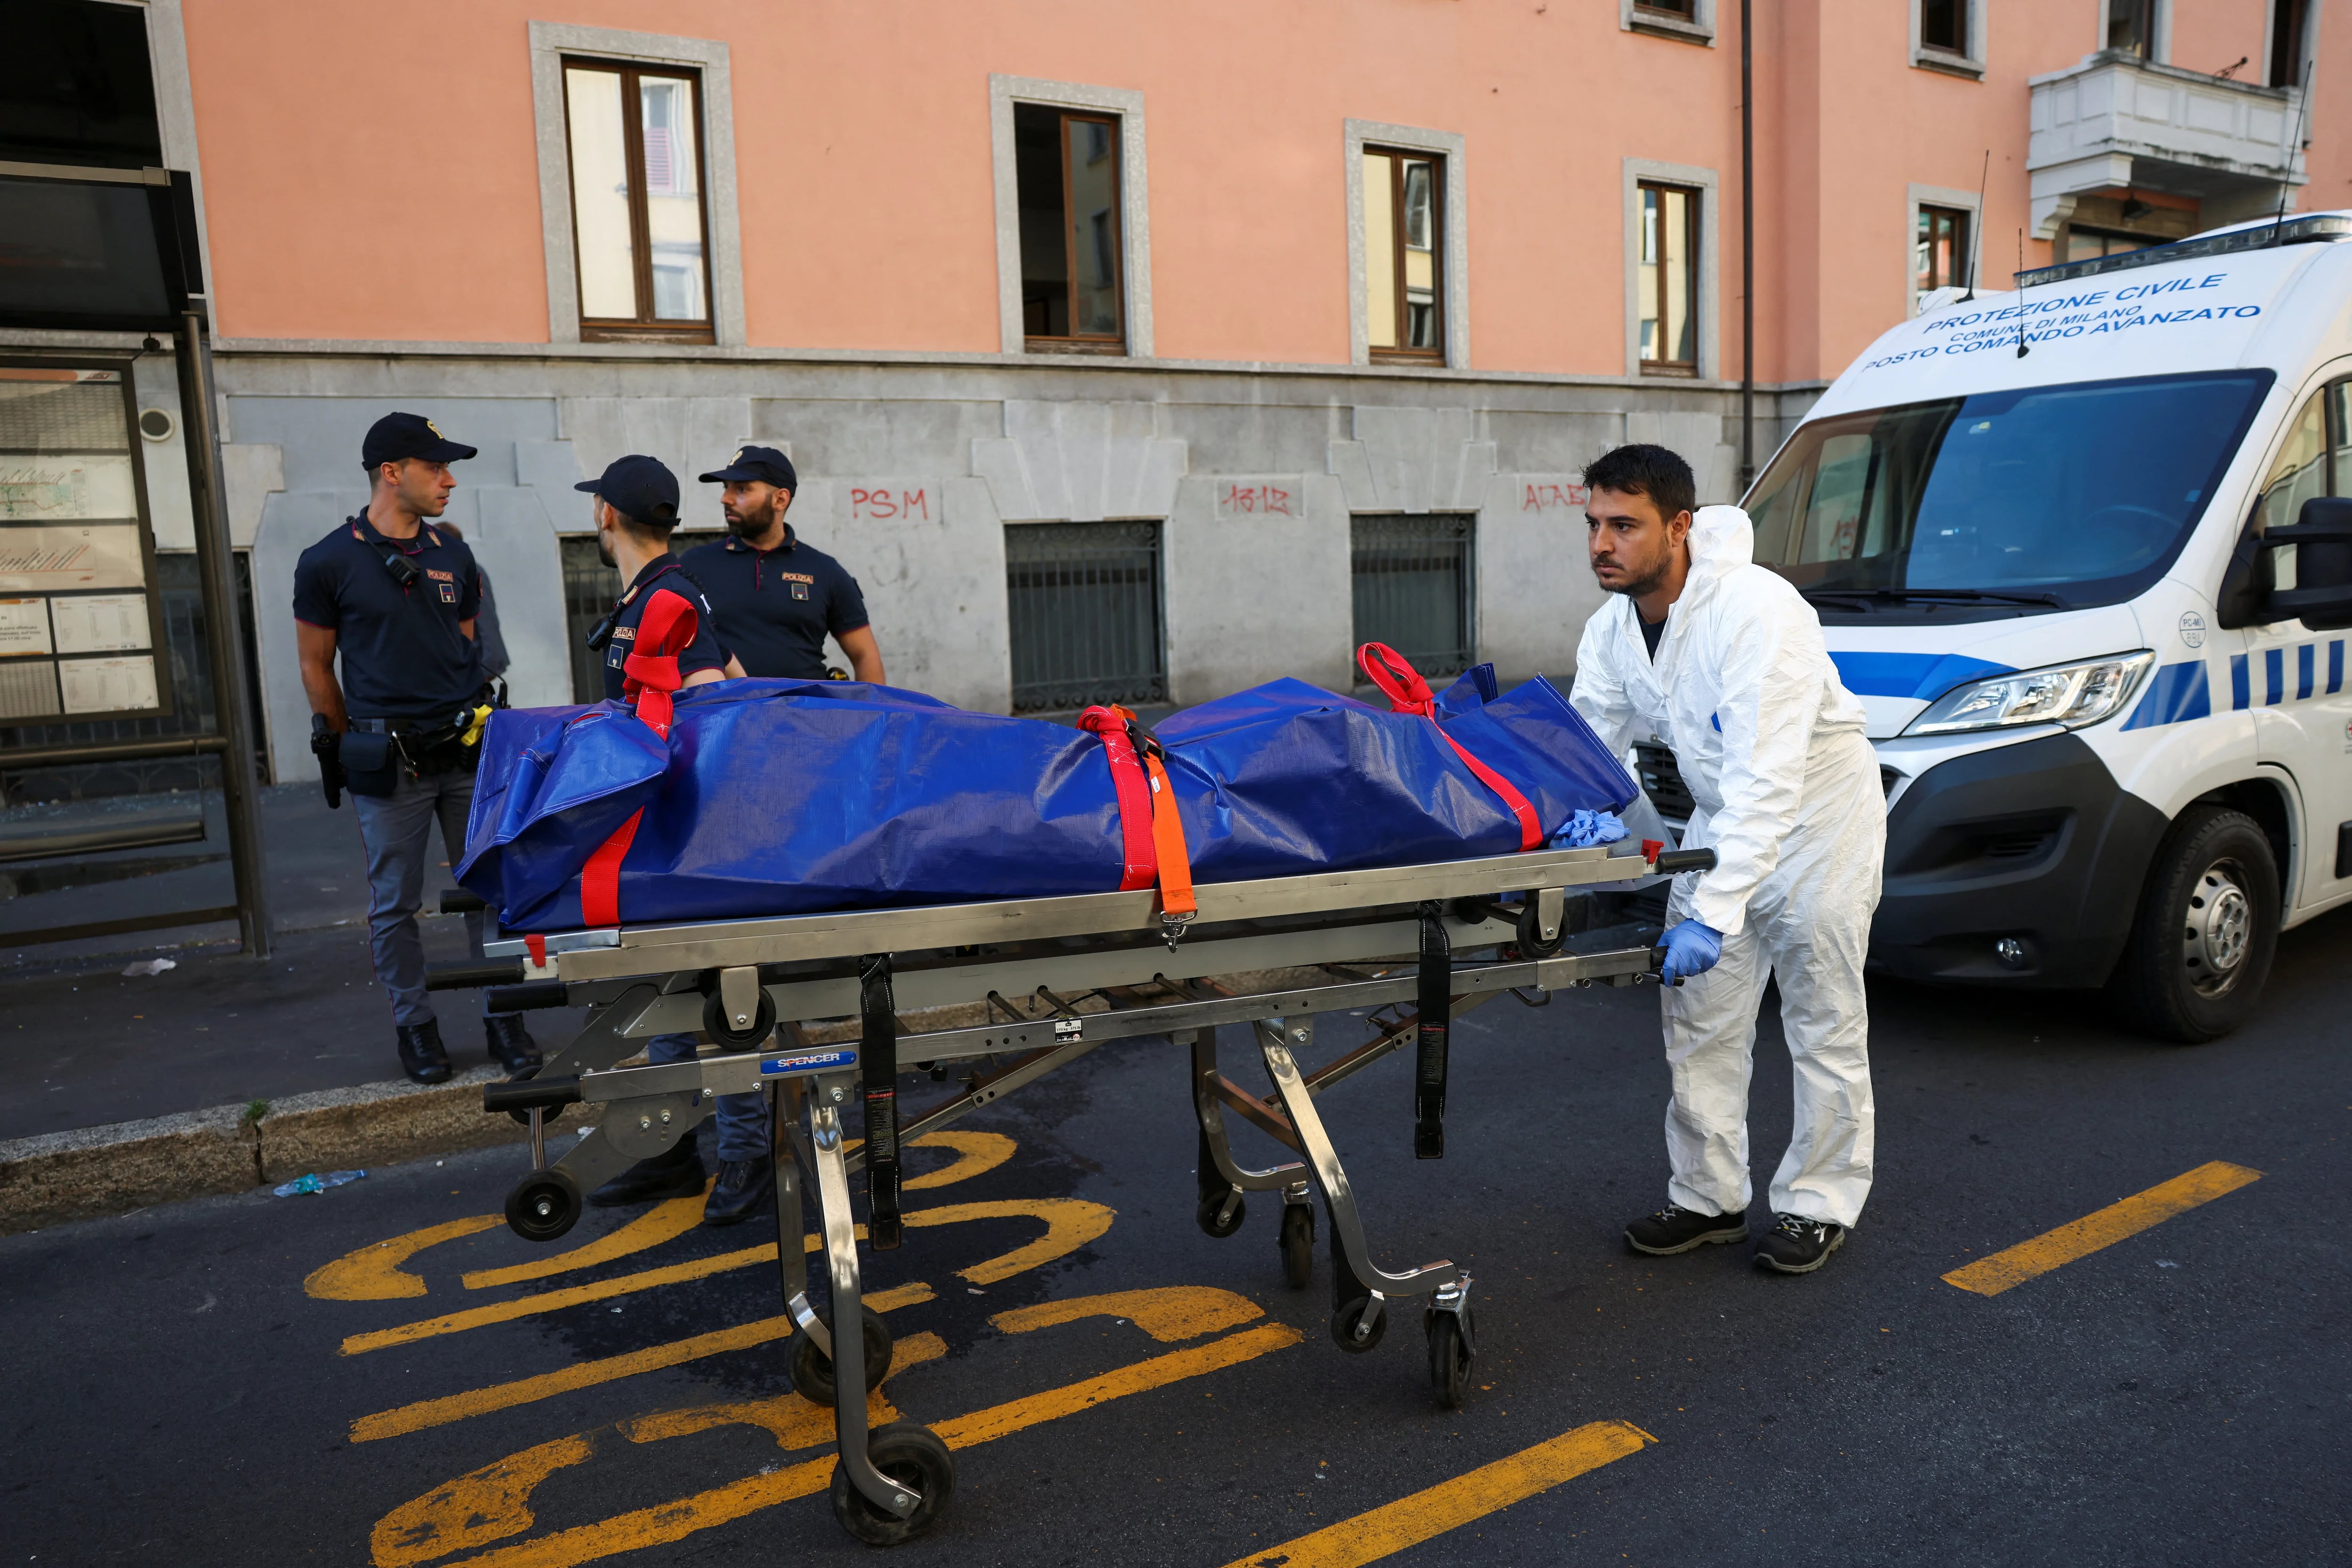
(1721, 660)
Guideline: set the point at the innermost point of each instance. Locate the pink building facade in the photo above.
(1145, 351)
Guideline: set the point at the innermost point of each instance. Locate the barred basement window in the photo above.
(1086, 622)
(1413, 588)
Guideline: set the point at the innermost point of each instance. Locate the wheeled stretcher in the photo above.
(1413, 947)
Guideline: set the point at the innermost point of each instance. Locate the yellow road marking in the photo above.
(721, 1505)
(494, 1502)
(1171, 1313)
(373, 1272)
(588, 1374)
(662, 1222)
(1070, 1224)
(2014, 1265)
(1410, 1521)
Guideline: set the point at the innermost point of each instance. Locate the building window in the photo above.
(1086, 610)
(1668, 258)
(638, 216)
(590, 586)
(1687, 10)
(2131, 27)
(2082, 244)
(1413, 579)
(1072, 250)
(1942, 252)
(1944, 25)
(2288, 20)
(1404, 282)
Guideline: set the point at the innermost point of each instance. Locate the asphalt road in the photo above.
(2183, 1396)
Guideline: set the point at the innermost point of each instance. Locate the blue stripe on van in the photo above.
(2238, 694)
(2304, 659)
(2179, 693)
(2273, 676)
(1921, 676)
(2335, 666)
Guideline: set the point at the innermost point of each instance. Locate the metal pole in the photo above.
(224, 644)
(1746, 249)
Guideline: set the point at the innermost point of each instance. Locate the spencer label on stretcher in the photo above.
(809, 1061)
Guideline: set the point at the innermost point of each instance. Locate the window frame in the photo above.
(646, 327)
(1451, 212)
(1663, 22)
(1967, 60)
(1082, 342)
(2155, 21)
(1398, 352)
(1697, 222)
(1951, 199)
(1708, 296)
(1125, 106)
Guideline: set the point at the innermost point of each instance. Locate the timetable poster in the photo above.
(79, 619)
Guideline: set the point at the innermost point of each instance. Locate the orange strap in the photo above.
(1151, 831)
(1408, 693)
(666, 629)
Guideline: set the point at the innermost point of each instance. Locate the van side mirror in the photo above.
(2322, 595)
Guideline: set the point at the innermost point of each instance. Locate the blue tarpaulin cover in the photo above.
(774, 797)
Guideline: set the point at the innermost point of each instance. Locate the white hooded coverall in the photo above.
(1771, 744)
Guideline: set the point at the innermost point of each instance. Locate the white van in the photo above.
(2074, 548)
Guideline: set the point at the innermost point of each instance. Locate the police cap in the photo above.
(640, 488)
(763, 463)
(399, 435)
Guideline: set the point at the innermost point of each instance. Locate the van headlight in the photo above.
(2071, 694)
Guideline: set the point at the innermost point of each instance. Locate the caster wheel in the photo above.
(811, 1369)
(543, 1206)
(1297, 1245)
(1349, 1319)
(907, 1453)
(1212, 1205)
(1449, 1359)
(1532, 943)
(715, 1025)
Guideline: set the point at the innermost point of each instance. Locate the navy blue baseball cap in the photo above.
(640, 488)
(763, 463)
(399, 435)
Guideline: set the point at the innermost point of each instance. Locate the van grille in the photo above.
(1662, 781)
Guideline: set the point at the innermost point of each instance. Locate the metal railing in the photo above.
(1414, 580)
(589, 589)
(1088, 622)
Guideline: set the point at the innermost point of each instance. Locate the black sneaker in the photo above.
(421, 1056)
(674, 1173)
(510, 1042)
(740, 1191)
(1798, 1244)
(1674, 1228)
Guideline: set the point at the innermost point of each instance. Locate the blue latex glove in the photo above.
(1691, 949)
(1586, 829)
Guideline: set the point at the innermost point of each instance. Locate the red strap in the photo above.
(1134, 792)
(1174, 861)
(666, 628)
(1408, 693)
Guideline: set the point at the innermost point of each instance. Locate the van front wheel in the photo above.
(2208, 924)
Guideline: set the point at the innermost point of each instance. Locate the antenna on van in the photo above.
(1976, 238)
(2021, 350)
(2287, 153)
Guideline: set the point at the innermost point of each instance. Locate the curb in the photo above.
(92, 1172)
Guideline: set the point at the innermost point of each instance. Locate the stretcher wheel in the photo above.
(912, 1456)
(811, 1369)
(1350, 1313)
(1532, 943)
(1297, 1245)
(543, 1206)
(1449, 1359)
(714, 1022)
(1213, 1208)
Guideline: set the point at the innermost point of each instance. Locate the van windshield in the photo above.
(2057, 497)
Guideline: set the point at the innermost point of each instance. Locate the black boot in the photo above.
(741, 1192)
(421, 1056)
(512, 1043)
(1674, 1228)
(674, 1173)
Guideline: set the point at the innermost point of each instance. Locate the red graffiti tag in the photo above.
(887, 503)
(1272, 499)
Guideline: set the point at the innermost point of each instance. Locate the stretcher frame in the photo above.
(734, 981)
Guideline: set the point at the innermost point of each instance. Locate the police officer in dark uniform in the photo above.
(777, 596)
(636, 507)
(396, 600)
